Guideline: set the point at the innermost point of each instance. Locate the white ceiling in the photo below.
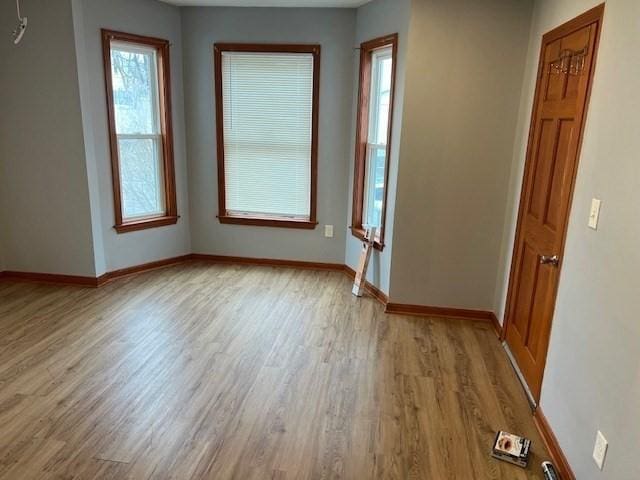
(269, 3)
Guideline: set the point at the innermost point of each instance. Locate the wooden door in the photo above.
(565, 73)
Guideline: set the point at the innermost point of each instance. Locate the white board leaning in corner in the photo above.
(365, 256)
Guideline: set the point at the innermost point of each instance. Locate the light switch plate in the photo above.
(594, 214)
(600, 449)
(328, 231)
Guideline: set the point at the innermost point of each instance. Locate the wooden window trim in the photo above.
(170, 216)
(225, 216)
(362, 127)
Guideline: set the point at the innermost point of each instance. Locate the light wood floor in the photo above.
(214, 372)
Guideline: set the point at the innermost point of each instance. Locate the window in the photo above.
(139, 111)
(373, 136)
(267, 124)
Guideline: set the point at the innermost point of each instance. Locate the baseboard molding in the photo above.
(267, 262)
(49, 278)
(496, 326)
(91, 282)
(428, 311)
(444, 312)
(374, 291)
(145, 267)
(551, 442)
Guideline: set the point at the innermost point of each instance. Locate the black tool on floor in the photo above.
(549, 471)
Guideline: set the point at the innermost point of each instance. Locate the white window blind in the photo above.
(267, 117)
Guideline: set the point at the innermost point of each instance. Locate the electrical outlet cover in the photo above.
(594, 213)
(600, 449)
(328, 231)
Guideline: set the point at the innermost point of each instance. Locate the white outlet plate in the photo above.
(328, 231)
(594, 214)
(600, 449)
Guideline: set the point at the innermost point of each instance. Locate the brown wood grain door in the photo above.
(565, 73)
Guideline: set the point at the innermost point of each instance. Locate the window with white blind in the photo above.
(139, 127)
(266, 131)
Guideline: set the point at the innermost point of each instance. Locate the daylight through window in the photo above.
(266, 133)
(139, 126)
(373, 135)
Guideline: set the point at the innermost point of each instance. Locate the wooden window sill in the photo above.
(146, 223)
(267, 222)
(359, 233)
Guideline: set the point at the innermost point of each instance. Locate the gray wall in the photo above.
(464, 72)
(4, 227)
(2, 234)
(46, 221)
(592, 378)
(89, 141)
(143, 17)
(333, 29)
(375, 19)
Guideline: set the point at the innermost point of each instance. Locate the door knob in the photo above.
(550, 260)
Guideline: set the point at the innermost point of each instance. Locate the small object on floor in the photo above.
(365, 255)
(549, 471)
(511, 448)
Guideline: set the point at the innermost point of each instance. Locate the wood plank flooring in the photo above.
(203, 371)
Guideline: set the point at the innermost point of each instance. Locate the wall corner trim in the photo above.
(551, 442)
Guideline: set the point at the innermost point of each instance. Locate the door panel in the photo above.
(543, 169)
(566, 69)
(529, 274)
(559, 180)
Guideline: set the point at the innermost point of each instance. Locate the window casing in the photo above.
(137, 81)
(267, 124)
(373, 136)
